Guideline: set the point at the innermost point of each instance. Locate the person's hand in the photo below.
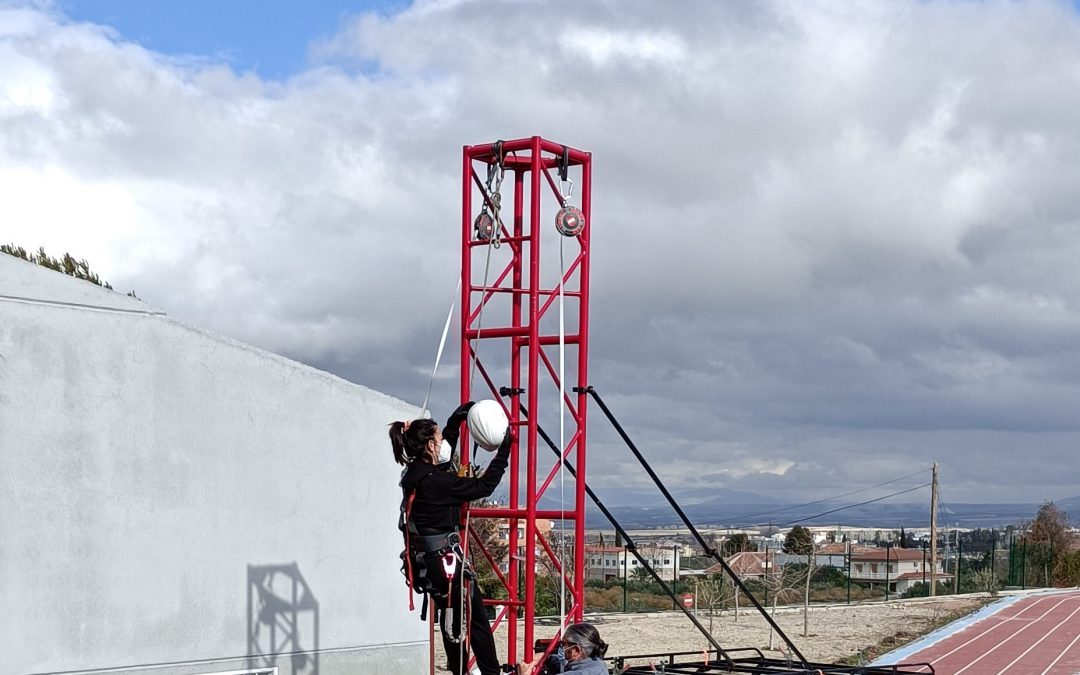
(464, 408)
(458, 416)
(507, 440)
(526, 667)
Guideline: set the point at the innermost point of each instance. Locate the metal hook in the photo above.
(567, 188)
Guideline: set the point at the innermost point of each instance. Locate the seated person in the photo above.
(583, 650)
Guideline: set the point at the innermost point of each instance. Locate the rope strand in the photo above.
(562, 441)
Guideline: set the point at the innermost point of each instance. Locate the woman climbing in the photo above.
(433, 497)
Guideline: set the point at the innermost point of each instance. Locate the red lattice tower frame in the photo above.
(516, 310)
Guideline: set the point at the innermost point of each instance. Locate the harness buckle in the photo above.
(449, 564)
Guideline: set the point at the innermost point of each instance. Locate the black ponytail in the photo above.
(410, 439)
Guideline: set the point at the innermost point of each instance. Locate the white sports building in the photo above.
(175, 502)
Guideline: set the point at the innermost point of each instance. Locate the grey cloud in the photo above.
(830, 241)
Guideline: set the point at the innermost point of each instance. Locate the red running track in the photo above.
(1036, 635)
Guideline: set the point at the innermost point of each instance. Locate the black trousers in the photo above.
(447, 600)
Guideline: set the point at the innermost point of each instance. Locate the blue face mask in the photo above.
(556, 663)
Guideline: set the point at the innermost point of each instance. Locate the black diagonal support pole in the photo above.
(686, 521)
(630, 545)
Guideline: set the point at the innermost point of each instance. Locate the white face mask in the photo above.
(445, 452)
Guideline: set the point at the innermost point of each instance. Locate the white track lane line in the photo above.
(1051, 632)
(991, 651)
(1063, 653)
(980, 635)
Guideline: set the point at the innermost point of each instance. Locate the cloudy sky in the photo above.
(833, 242)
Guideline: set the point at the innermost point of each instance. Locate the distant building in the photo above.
(829, 555)
(616, 562)
(745, 565)
(899, 568)
(502, 534)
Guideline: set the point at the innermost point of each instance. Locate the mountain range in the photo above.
(707, 508)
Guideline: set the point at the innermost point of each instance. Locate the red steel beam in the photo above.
(526, 226)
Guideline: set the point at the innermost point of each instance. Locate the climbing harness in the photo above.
(417, 560)
(453, 632)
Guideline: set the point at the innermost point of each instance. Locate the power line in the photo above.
(851, 506)
(827, 499)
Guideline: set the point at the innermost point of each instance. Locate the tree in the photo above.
(799, 541)
(80, 269)
(737, 544)
(1067, 571)
(983, 580)
(549, 583)
(909, 541)
(711, 594)
(782, 580)
(1048, 538)
(66, 264)
(486, 531)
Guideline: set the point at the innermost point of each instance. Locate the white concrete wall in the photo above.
(145, 465)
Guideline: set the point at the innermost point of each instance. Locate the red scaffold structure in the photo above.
(524, 342)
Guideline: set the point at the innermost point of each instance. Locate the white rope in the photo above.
(562, 443)
(442, 344)
(480, 317)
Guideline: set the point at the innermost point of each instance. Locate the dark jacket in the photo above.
(440, 492)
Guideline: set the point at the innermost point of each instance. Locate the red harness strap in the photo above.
(408, 550)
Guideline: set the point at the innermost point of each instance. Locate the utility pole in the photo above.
(933, 533)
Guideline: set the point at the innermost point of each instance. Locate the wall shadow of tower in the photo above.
(282, 620)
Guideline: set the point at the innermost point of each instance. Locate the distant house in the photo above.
(616, 562)
(502, 536)
(828, 555)
(899, 568)
(747, 565)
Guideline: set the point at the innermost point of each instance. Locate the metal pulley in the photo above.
(487, 225)
(569, 221)
(484, 225)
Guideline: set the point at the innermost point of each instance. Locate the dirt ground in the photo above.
(835, 631)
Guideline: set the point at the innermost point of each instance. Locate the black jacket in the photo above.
(440, 492)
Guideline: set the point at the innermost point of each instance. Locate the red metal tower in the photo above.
(525, 320)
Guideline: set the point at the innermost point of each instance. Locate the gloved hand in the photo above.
(507, 441)
(459, 415)
(464, 408)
